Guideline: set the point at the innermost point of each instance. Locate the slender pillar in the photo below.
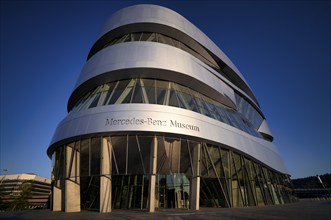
(152, 180)
(105, 178)
(72, 183)
(56, 197)
(195, 181)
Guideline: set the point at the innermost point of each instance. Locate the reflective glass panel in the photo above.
(95, 155)
(161, 92)
(135, 163)
(119, 161)
(85, 157)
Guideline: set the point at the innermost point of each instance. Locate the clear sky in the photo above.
(281, 47)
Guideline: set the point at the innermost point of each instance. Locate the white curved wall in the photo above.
(129, 56)
(160, 15)
(158, 118)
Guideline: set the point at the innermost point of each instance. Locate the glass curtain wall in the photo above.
(130, 171)
(198, 51)
(202, 55)
(151, 91)
(227, 178)
(174, 170)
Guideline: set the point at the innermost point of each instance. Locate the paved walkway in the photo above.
(302, 210)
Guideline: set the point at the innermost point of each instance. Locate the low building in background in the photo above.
(24, 191)
(318, 187)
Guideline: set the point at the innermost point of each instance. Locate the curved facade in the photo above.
(161, 118)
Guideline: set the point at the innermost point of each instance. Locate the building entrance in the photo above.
(90, 193)
(172, 191)
(130, 191)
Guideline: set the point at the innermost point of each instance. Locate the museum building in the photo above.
(161, 118)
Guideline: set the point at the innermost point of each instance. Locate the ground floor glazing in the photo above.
(148, 172)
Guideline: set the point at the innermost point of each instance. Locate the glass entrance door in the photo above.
(130, 191)
(172, 191)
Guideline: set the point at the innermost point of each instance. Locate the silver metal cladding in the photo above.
(143, 59)
(165, 119)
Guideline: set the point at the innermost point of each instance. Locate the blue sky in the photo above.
(281, 47)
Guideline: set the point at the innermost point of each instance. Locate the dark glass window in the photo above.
(95, 100)
(90, 193)
(173, 101)
(138, 95)
(185, 159)
(135, 158)
(145, 144)
(119, 161)
(85, 157)
(150, 90)
(95, 155)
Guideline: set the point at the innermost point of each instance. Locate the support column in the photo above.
(72, 182)
(105, 178)
(152, 180)
(195, 181)
(56, 197)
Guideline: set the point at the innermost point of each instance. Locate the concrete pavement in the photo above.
(304, 209)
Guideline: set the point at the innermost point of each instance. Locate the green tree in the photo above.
(21, 202)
